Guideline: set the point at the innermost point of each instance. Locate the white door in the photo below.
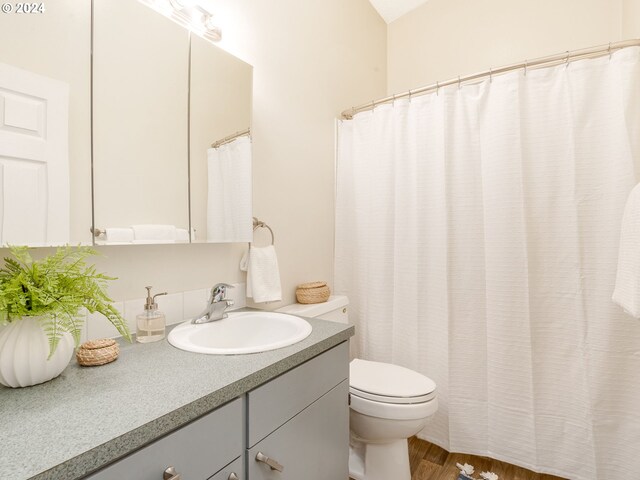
(34, 159)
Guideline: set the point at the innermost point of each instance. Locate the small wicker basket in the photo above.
(97, 352)
(314, 292)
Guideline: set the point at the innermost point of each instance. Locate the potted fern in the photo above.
(40, 312)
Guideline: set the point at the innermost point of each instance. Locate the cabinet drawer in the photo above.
(313, 445)
(275, 402)
(196, 451)
(226, 472)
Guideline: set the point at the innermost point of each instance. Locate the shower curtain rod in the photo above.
(548, 61)
(231, 138)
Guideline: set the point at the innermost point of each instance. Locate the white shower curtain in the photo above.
(477, 236)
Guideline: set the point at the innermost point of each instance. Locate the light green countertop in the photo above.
(90, 416)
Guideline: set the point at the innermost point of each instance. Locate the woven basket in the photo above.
(97, 352)
(314, 292)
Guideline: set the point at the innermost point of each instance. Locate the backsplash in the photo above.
(177, 307)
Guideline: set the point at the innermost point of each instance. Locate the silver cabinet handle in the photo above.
(261, 457)
(233, 476)
(171, 474)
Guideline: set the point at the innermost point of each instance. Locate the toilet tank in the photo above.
(334, 309)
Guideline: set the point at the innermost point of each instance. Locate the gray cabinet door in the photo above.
(196, 451)
(228, 472)
(278, 400)
(313, 445)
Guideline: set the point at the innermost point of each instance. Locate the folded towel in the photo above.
(152, 242)
(116, 235)
(627, 290)
(155, 233)
(263, 276)
(229, 203)
(182, 235)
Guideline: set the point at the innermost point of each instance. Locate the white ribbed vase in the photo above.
(24, 349)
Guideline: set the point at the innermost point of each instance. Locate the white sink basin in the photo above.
(240, 332)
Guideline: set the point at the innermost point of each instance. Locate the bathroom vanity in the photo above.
(207, 416)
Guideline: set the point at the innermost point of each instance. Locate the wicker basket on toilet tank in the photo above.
(314, 292)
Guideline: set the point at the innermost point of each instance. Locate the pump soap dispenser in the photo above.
(150, 324)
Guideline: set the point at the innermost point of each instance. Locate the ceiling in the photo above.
(393, 9)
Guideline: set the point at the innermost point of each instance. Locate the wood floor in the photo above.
(430, 462)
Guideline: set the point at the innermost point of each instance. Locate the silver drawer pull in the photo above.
(261, 457)
(171, 474)
(233, 476)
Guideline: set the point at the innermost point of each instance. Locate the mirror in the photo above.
(140, 115)
(143, 102)
(45, 126)
(220, 108)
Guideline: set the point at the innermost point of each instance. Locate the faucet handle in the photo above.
(219, 292)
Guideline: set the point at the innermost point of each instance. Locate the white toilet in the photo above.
(388, 404)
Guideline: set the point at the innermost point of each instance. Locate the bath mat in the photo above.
(466, 473)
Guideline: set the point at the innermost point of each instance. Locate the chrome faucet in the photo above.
(218, 303)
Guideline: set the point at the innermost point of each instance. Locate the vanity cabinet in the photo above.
(206, 447)
(313, 445)
(299, 420)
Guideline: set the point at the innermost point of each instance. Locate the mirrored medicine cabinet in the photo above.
(119, 139)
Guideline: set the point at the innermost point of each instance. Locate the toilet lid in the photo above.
(389, 383)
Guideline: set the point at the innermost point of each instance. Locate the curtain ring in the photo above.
(458, 82)
(566, 62)
(609, 50)
(410, 96)
(437, 88)
(525, 67)
(490, 75)
(393, 102)
(373, 106)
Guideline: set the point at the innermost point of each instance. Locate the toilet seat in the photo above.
(389, 391)
(384, 382)
(393, 411)
(391, 399)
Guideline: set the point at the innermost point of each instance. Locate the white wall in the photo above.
(311, 60)
(446, 38)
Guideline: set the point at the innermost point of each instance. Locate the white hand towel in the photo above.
(229, 203)
(154, 233)
(263, 275)
(116, 235)
(627, 290)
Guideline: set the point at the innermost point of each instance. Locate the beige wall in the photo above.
(631, 18)
(311, 60)
(446, 38)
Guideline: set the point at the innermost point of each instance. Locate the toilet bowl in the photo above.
(388, 404)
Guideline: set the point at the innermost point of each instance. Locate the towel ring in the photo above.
(260, 224)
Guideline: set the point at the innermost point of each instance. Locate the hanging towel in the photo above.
(263, 275)
(229, 212)
(154, 233)
(627, 290)
(118, 236)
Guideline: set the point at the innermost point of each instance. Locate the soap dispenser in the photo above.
(150, 324)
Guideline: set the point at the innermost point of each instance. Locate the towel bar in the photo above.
(260, 224)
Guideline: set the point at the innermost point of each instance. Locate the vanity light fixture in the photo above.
(189, 14)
